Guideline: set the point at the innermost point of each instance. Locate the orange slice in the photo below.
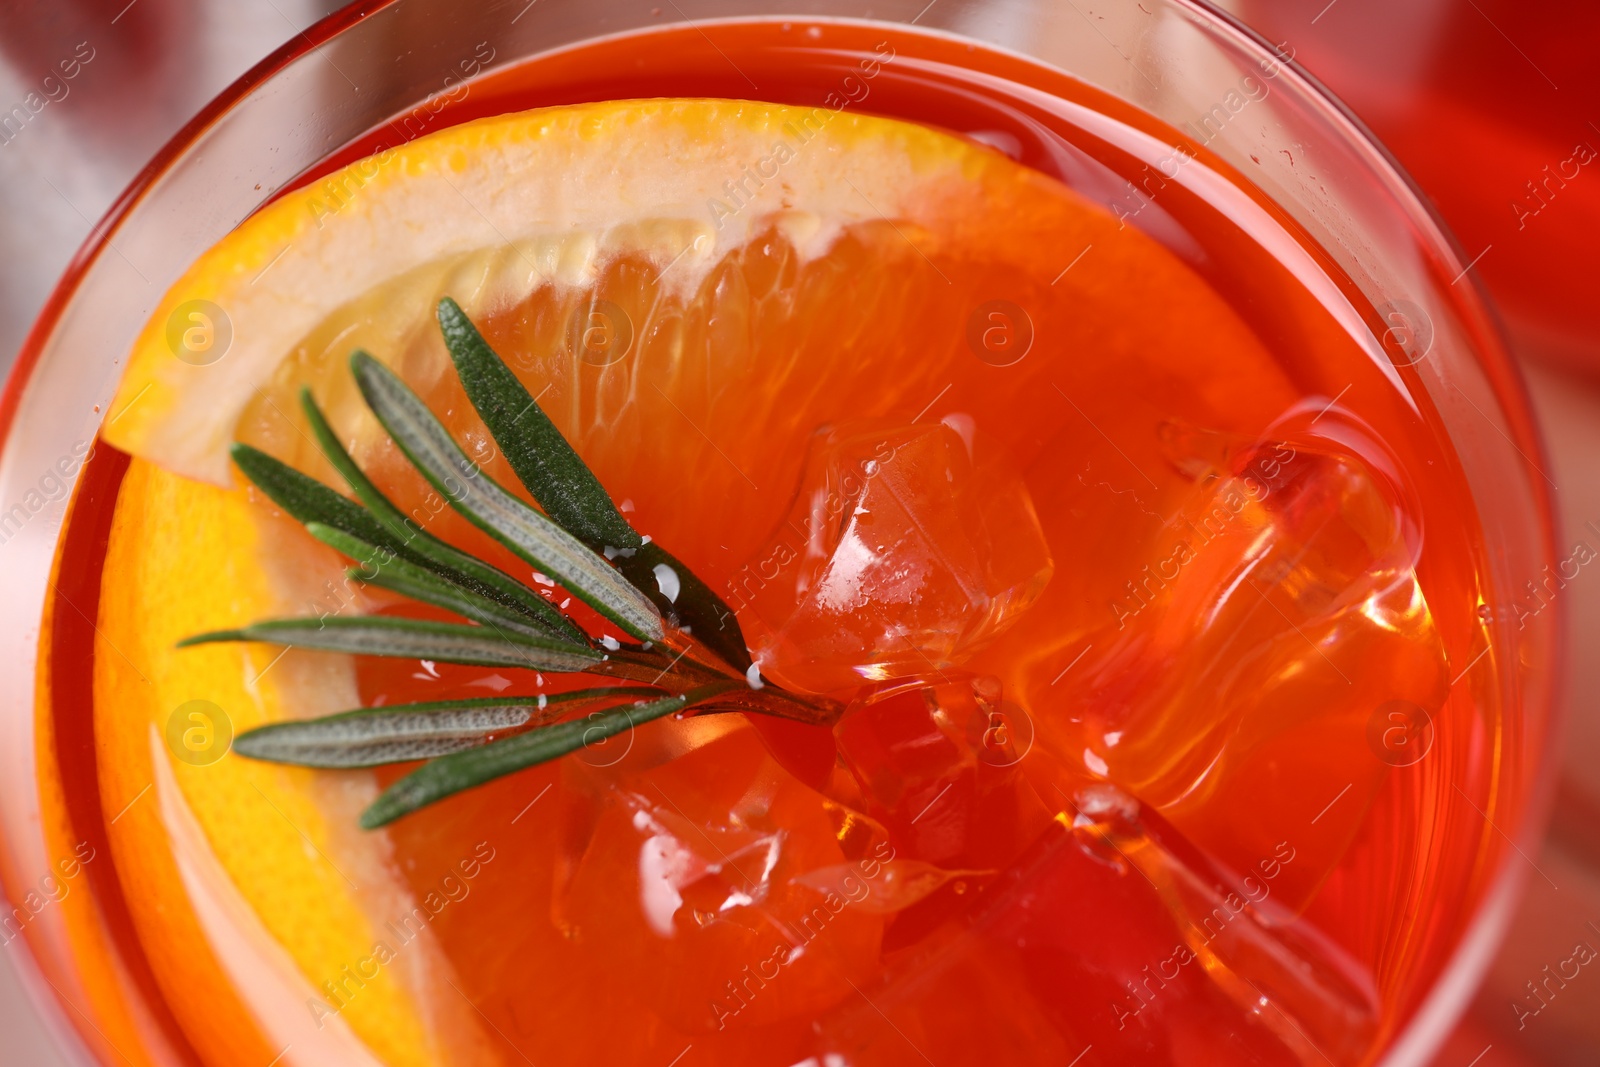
(509, 204)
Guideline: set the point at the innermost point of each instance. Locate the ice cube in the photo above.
(688, 883)
(1112, 932)
(1233, 677)
(941, 798)
(906, 549)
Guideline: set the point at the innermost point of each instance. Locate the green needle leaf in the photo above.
(444, 642)
(422, 547)
(452, 774)
(557, 477)
(695, 608)
(382, 567)
(370, 737)
(521, 528)
(308, 500)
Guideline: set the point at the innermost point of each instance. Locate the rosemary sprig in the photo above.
(386, 570)
(690, 646)
(543, 460)
(521, 528)
(563, 485)
(445, 559)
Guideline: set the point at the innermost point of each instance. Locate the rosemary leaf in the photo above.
(444, 642)
(694, 609)
(380, 566)
(370, 737)
(452, 774)
(422, 547)
(521, 528)
(308, 500)
(557, 477)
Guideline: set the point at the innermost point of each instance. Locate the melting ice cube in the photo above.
(905, 551)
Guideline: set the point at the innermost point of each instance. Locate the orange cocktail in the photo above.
(1104, 592)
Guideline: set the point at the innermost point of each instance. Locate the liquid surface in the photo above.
(1199, 562)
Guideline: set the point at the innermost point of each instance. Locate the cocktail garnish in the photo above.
(686, 650)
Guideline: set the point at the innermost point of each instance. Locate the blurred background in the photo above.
(1493, 106)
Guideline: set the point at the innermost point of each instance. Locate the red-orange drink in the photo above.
(1171, 798)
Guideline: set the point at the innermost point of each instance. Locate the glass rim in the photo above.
(1448, 997)
(1413, 201)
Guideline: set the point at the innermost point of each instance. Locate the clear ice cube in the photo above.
(916, 752)
(688, 876)
(1113, 932)
(906, 549)
(1232, 678)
